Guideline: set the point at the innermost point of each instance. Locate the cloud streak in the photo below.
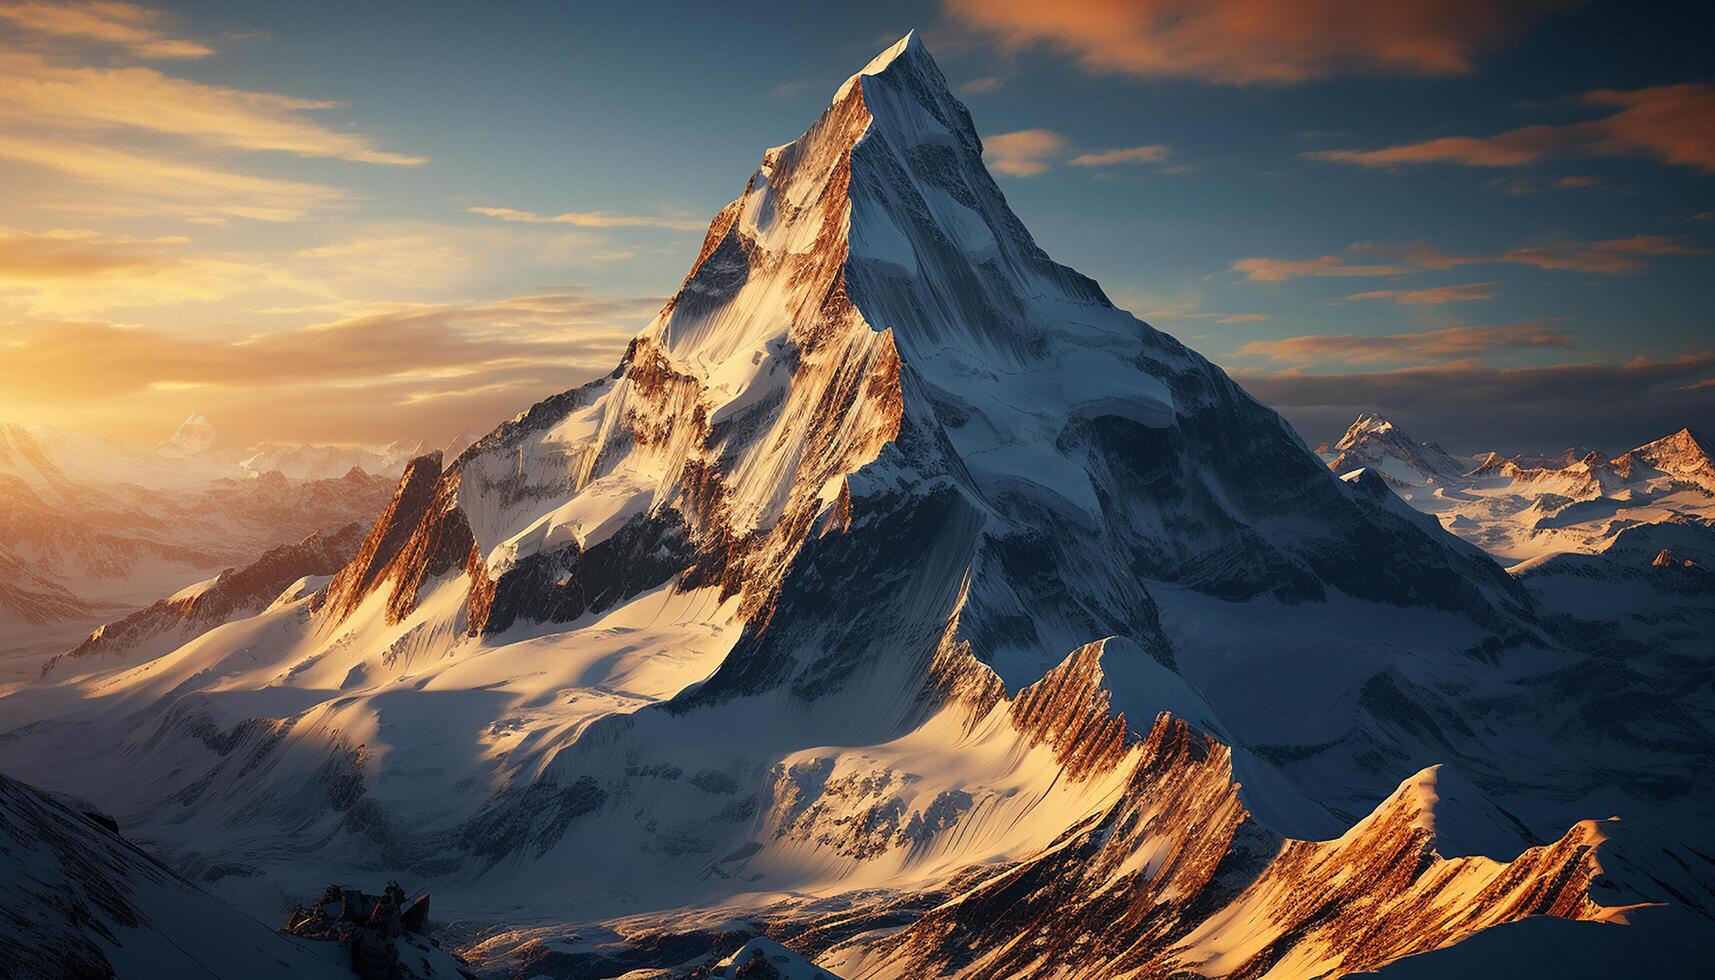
(39, 92)
(1246, 42)
(1152, 153)
(1673, 124)
(1423, 347)
(124, 25)
(121, 182)
(1614, 256)
(1024, 153)
(590, 219)
(1280, 270)
(72, 272)
(1434, 296)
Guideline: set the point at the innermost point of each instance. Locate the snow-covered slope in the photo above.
(81, 902)
(892, 579)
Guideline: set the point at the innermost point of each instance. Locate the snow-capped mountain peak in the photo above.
(195, 435)
(1374, 442)
(1684, 454)
(907, 47)
(1368, 425)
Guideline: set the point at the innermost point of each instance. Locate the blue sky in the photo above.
(264, 211)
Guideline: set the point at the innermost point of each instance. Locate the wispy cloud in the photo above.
(1243, 41)
(75, 271)
(108, 138)
(1527, 185)
(40, 92)
(1615, 256)
(137, 30)
(1433, 296)
(983, 85)
(1031, 152)
(590, 219)
(116, 181)
(1153, 153)
(1671, 123)
(1188, 310)
(1423, 347)
(1280, 270)
(1024, 153)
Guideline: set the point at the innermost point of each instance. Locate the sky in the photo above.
(355, 223)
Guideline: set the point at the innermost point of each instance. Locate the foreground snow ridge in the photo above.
(897, 599)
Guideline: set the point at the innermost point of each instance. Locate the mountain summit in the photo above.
(1373, 442)
(194, 435)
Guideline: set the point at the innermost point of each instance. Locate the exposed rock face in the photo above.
(1177, 878)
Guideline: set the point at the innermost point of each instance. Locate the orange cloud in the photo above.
(122, 25)
(38, 92)
(120, 182)
(1406, 348)
(1434, 296)
(1280, 270)
(69, 272)
(982, 85)
(1616, 256)
(1154, 153)
(1024, 153)
(591, 219)
(1251, 41)
(1670, 123)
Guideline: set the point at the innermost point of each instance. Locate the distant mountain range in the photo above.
(90, 530)
(1526, 507)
